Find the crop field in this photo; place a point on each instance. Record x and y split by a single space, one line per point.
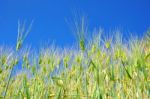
107 67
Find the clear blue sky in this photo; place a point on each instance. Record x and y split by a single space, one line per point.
50 18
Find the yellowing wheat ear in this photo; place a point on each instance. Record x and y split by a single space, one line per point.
22 33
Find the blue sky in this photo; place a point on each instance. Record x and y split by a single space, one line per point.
50 18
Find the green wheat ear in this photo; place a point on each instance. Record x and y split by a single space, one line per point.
18 46
80 30
107 44
22 33
82 45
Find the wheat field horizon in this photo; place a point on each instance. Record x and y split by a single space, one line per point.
99 67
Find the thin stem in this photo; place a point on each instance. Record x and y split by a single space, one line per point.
8 82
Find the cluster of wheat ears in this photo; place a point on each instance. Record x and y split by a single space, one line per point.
98 69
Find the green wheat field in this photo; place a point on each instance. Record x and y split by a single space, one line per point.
99 67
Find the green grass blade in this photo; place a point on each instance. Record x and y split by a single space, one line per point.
126 70
26 87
